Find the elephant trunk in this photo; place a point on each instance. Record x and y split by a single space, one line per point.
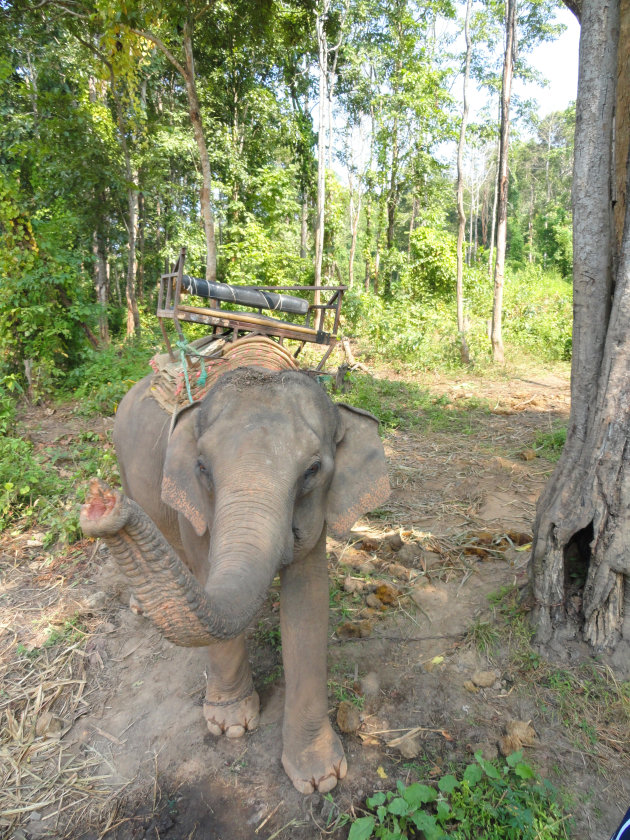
167 592
251 539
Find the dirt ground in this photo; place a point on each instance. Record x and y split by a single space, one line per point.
121 723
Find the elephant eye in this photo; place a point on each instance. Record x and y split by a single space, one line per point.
312 470
202 469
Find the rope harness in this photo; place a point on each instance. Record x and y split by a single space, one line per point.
187 380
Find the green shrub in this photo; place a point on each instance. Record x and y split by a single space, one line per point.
23 480
105 376
491 799
433 265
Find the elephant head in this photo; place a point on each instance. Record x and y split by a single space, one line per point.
257 470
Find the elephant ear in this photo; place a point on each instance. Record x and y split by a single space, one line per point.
360 482
180 486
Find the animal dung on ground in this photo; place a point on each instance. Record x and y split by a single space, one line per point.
409 746
370 544
484 679
397 570
518 734
522 730
374 601
348 718
353 585
354 629
395 541
387 594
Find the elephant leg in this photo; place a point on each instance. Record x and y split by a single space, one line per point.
312 752
231 704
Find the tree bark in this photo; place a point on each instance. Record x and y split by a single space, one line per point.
583 515
502 204
304 225
322 45
493 223
100 284
133 315
140 259
461 230
355 212
206 188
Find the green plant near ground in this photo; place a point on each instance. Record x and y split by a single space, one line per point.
68 634
484 635
492 799
23 479
104 377
398 404
589 701
41 488
269 634
549 445
343 690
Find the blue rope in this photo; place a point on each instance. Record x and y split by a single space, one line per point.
186 349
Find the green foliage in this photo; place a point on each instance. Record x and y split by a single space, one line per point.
492 799
421 333
105 376
23 480
537 315
549 445
563 252
402 404
259 256
38 488
433 265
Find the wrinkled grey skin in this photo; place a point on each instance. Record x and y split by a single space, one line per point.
244 489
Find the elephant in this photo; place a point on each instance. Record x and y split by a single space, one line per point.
241 487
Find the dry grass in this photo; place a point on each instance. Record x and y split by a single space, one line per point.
45 785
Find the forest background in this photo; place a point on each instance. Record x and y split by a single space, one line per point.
102 167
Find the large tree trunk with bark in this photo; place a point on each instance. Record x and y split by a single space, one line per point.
502 207
461 329
583 518
101 282
322 45
133 315
194 110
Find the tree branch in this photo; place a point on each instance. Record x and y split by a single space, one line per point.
163 48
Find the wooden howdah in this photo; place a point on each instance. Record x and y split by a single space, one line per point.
315 323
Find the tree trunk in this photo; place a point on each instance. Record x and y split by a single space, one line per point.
133 316
141 226
494 222
502 206
368 242
304 225
355 212
583 516
461 329
206 189
322 45
484 214
392 195
100 284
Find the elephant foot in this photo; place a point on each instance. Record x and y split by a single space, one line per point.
315 763
231 718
